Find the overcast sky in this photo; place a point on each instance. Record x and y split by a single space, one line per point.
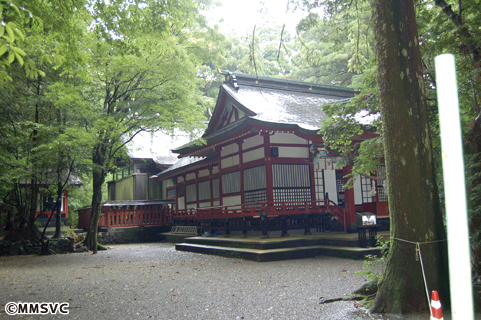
240 16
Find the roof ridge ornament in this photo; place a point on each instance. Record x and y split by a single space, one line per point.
229 78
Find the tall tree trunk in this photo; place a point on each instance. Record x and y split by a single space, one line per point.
58 208
413 197
99 174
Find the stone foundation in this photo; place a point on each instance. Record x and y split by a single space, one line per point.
131 235
64 245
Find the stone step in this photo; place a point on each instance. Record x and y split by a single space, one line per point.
273 243
280 253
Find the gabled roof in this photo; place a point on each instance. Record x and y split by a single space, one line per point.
271 102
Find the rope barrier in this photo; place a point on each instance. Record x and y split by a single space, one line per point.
419 254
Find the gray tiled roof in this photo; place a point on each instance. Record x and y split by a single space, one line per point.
271 102
283 106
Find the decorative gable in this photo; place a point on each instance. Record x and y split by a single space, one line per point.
228 113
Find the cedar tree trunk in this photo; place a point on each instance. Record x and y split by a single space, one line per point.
99 174
413 198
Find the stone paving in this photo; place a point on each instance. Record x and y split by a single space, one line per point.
153 281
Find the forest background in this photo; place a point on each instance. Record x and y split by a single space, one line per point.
80 79
63 62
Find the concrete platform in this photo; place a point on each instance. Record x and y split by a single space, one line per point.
279 248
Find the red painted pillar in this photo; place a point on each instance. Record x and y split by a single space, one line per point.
313 181
241 171
350 205
65 203
267 154
219 168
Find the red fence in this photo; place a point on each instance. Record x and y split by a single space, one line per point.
128 216
258 208
133 216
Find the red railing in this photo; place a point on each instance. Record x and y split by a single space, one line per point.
133 216
128 216
259 208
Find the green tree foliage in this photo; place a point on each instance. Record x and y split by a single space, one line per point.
110 70
443 26
334 49
144 61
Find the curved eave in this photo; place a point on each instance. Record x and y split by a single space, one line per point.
172 173
230 135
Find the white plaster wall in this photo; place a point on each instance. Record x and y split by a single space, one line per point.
229 149
229 162
294 152
180 179
204 204
181 203
357 191
204 173
253 155
216 203
330 184
190 176
252 142
232 200
281 137
191 206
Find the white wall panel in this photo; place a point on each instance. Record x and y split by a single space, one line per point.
253 155
190 176
228 201
281 137
204 173
330 184
204 204
252 142
357 191
229 149
181 203
294 152
230 161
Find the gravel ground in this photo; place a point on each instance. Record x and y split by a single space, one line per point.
153 281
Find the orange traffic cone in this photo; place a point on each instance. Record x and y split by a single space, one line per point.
436 311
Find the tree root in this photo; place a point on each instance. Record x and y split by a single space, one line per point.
346 298
101 247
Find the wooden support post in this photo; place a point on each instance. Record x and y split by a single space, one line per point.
284 226
227 228
212 227
264 223
307 225
199 228
244 228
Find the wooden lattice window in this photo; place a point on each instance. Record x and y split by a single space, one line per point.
170 193
367 189
204 190
231 182
320 186
255 184
191 193
215 188
291 182
381 189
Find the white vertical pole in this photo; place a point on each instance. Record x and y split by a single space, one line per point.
454 189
